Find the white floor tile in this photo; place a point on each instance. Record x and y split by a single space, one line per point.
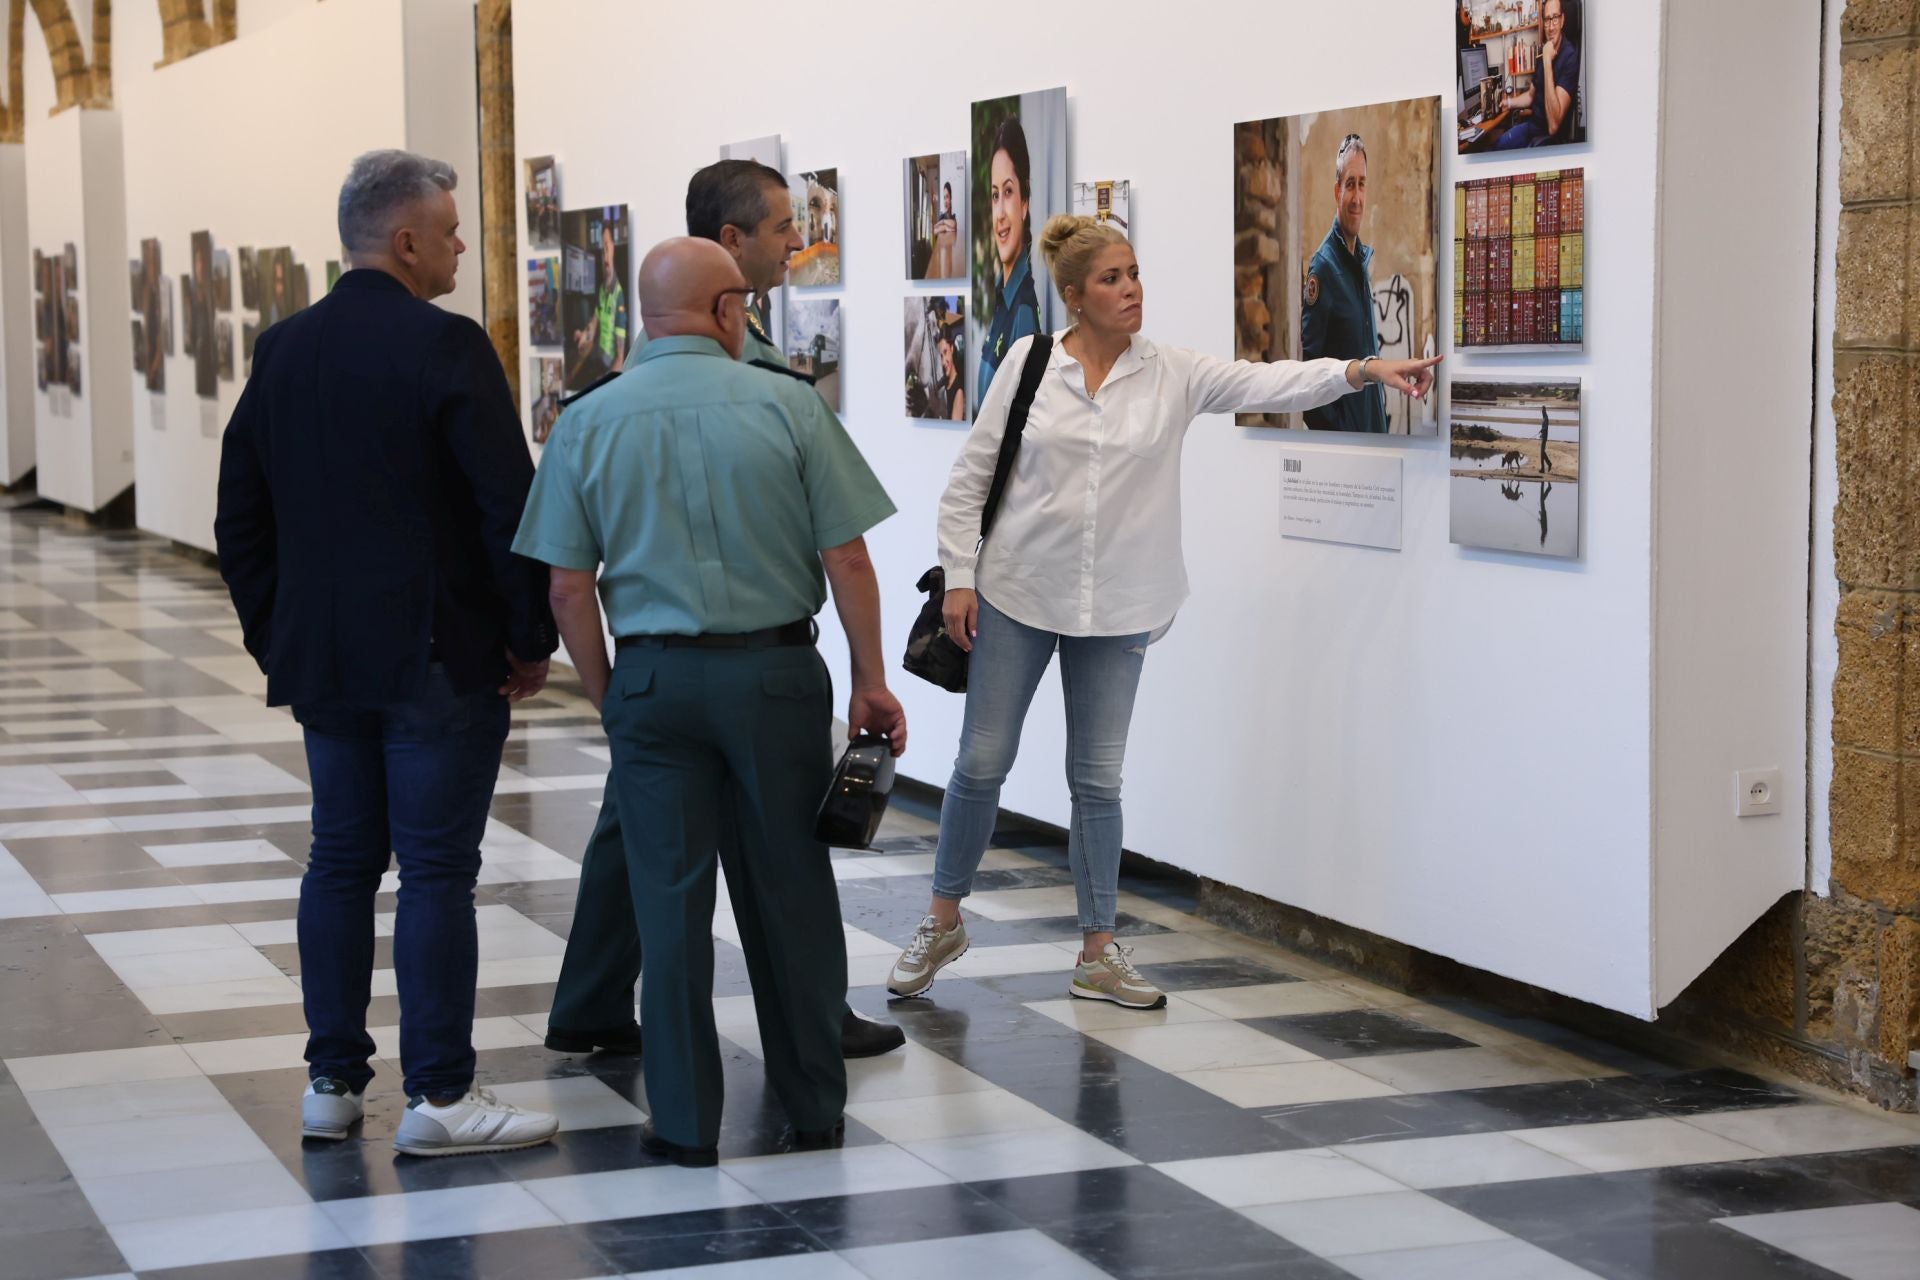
862 943
1000 1253
1287 1084
1018 1155
908 1072
128 1101
1025 904
1103 1015
166 1142
1274 1000
1441 1070
1019 957
849 1171
1371 1224
1278 1177
1806 1130
139 795
233 775
580 1102
250 1054
34 786
987 1111
228 891
430 1215
101 1066
47 728
171 1193
1860 1242
1636 1144
231 993
1464 1160
172 895
1494 1260
153 942
215 853
225 963
1202 1046
226 1237
620 1193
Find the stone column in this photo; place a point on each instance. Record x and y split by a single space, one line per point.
499 185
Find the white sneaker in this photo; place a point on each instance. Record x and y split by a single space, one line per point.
478 1122
328 1109
932 950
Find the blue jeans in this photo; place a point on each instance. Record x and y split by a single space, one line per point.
1522 135
1099 675
414 778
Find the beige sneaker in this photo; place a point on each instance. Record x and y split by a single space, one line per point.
930 951
1113 977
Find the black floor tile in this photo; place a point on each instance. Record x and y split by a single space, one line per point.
892 1217
1055 1198
1199 975
58 1255
1700 1251
1693 1093
656 1244
553 1253
1215 1242
1884 1173
1356 1033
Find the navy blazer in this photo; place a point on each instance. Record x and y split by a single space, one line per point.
371 481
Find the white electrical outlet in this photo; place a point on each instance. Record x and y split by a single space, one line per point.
1756 792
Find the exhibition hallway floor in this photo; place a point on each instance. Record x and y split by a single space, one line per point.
1277 1119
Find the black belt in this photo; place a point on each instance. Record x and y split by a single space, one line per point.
803 632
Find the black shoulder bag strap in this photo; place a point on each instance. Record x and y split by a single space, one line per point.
1039 355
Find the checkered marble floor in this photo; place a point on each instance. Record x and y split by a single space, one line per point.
1277 1119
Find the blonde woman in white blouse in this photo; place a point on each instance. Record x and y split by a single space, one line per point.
1085 558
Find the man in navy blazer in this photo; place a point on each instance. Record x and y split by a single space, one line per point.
371 481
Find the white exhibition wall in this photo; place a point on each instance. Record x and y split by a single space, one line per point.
16 317
1456 749
269 176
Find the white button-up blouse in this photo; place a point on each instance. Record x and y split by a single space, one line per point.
1087 539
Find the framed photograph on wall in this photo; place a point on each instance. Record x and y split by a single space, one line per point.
816 216
812 344
543 302
1520 262
936 364
1337 251
543 203
594 319
1019 180
1514 466
936 201
1520 66
1108 203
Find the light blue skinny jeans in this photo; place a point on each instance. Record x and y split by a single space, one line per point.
1099 675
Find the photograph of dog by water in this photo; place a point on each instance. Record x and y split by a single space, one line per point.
1514 470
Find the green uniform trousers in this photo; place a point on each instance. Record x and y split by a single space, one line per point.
717 760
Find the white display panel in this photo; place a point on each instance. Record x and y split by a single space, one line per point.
1356 765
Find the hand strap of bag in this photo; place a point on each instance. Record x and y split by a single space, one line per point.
1038 357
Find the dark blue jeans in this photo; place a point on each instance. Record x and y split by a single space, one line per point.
414 778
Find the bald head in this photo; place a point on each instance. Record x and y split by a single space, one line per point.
684 284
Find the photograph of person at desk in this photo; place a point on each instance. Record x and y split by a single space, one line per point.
1520 70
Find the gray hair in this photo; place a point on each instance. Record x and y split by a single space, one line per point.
378 190
1348 145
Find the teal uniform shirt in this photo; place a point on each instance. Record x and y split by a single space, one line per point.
706 487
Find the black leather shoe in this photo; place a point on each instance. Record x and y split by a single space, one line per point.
814 1139
860 1038
686 1157
612 1039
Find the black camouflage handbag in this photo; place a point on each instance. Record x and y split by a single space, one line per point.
931 652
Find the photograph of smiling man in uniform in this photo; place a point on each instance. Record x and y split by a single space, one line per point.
1337 249
1019 172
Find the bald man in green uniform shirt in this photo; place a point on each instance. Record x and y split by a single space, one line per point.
722 501
744 207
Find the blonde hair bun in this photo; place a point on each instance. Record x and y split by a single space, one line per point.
1069 242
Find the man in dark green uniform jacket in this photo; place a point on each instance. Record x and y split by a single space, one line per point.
722 500
745 207
1336 299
